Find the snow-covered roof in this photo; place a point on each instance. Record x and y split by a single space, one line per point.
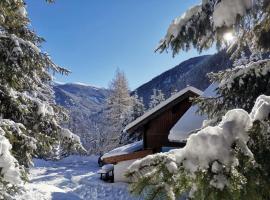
129 148
190 121
161 105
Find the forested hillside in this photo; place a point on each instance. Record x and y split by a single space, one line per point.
85 105
190 72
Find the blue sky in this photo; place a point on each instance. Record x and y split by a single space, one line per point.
94 37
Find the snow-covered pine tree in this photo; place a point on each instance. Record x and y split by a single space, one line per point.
174 92
138 107
119 105
29 124
137 110
228 160
156 98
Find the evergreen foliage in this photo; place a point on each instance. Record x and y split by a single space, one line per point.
138 107
174 92
156 98
204 25
137 110
29 124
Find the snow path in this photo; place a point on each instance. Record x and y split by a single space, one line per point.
73 178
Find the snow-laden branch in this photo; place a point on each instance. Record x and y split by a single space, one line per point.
178 24
200 26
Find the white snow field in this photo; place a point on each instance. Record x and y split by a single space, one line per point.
73 178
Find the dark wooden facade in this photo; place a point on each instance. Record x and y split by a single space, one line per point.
156 131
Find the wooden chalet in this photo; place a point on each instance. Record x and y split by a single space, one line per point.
155 126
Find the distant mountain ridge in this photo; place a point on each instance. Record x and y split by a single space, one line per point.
88 97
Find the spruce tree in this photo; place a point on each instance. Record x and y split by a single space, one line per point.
229 159
138 107
137 110
174 92
29 124
156 98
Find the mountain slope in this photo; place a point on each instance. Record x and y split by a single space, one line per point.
190 72
82 96
85 105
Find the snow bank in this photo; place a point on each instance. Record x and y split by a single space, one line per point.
191 121
130 148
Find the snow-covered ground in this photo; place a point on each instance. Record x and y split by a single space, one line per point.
73 178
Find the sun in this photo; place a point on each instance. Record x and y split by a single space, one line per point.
229 37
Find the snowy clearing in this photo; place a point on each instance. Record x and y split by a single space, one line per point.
73 178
